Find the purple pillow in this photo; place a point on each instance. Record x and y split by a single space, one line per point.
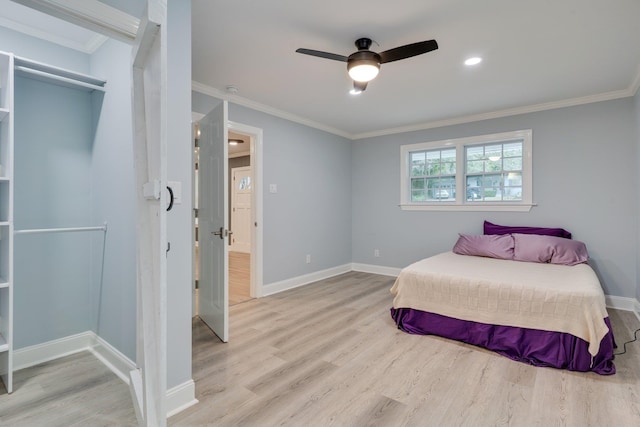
551 249
488 246
490 228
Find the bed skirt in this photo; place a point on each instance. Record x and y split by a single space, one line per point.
531 346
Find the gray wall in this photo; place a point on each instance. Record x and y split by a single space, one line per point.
113 201
311 212
584 167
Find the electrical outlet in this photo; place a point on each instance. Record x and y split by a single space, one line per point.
376 253
308 259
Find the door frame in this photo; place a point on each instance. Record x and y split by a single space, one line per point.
256 155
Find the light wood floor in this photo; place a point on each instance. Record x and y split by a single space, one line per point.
76 390
239 277
328 354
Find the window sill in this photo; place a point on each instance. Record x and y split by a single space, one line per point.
470 207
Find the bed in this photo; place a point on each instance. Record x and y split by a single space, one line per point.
540 313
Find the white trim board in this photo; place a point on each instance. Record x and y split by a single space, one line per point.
208 90
179 397
619 303
305 279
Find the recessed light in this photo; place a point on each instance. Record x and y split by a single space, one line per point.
473 61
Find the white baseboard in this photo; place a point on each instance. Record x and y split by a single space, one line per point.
178 398
41 353
376 269
294 282
620 303
637 309
112 358
181 397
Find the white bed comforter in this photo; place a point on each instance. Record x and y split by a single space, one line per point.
549 297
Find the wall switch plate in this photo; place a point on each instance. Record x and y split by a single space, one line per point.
273 188
308 259
376 253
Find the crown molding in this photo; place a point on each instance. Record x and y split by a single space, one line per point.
89 47
208 90
630 91
91 14
500 113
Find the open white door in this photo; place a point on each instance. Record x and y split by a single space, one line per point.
213 222
149 380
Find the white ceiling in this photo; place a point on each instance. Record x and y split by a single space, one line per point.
537 54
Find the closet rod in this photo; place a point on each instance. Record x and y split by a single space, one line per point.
65 81
61 230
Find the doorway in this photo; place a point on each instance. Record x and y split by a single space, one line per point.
244 265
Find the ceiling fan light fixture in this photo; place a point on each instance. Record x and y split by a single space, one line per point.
363 70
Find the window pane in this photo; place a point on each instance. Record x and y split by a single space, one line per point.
449 155
513 164
417 196
417 164
512 193
475 153
417 184
494 165
475 166
493 152
513 149
513 179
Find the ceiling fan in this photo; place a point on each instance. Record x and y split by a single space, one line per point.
364 65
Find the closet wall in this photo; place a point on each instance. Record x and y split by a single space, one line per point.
52 188
74 167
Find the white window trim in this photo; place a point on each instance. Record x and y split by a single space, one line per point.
461 204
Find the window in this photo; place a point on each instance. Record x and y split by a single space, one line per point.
492 172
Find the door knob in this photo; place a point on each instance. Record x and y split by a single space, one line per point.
219 233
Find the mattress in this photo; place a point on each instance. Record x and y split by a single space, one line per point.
546 297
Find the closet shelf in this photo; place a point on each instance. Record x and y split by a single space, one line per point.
3 113
59 80
24 63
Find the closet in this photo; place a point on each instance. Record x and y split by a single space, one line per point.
60 182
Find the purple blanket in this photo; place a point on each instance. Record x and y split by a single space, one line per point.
532 346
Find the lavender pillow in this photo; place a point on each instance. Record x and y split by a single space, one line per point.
551 249
490 228
496 246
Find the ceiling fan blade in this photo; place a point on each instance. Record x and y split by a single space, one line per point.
359 86
321 54
407 51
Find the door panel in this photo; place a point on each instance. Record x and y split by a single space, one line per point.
213 222
241 209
